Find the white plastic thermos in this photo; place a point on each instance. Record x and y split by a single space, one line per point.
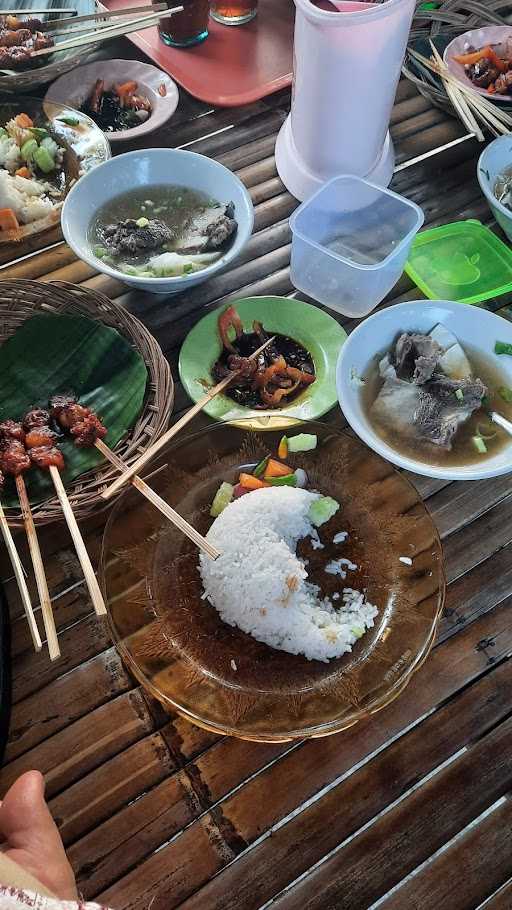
347 65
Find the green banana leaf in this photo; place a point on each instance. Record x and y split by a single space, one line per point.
57 354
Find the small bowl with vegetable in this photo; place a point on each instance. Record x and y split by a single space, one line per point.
125 98
184 218
494 171
425 384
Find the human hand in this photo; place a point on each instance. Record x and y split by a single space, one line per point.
31 838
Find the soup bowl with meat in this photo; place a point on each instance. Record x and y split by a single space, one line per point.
422 382
161 220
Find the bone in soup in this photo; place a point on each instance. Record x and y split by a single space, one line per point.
430 400
162 231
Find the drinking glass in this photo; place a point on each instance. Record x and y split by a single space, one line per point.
233 12
188 27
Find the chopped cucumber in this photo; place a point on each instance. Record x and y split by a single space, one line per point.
289 480
100 252
223 497
27 150
50 145
357 631
322 509
479 445
142 222
44 160
304 442
502 347
506 393
459 394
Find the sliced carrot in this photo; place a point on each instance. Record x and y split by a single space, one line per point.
282 451
24 121
252 483
126 88
276 469
23 172
8 220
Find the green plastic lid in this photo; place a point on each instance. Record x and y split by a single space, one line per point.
463 261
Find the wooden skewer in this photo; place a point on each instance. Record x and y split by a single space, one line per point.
105 34
83 556
160 443
37 562
60 24
160 504
20 578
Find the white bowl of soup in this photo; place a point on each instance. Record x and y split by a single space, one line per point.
161 220
418 381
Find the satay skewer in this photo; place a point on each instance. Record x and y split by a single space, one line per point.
146 456
39 573
20 579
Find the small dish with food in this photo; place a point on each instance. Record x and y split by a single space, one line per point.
125 98
322 604
494 171
44 149
183 219
419 382
482 59
293 378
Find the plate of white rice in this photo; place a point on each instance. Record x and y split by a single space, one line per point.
299 627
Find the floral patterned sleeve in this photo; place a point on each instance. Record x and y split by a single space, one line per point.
17 899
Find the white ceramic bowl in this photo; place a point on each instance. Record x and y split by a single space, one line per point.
494 160
474 327
75 87
477 38
143 169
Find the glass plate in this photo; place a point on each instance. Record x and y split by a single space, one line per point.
221 678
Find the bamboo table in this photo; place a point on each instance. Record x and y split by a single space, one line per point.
409 809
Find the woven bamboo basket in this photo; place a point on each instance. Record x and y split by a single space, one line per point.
21 299
451 18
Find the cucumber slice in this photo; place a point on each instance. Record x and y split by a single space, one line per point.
27 150
223 497
322 509
289 480
44 160
304 442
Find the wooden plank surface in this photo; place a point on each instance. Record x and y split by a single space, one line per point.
409 809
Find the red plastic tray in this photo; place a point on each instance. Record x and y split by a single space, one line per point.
236 64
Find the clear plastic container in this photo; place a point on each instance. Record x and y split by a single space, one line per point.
351 241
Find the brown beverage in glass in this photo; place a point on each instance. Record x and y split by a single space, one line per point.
188 27
233 12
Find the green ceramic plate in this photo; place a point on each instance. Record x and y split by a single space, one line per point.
310 326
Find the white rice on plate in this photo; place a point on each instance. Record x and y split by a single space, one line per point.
259 584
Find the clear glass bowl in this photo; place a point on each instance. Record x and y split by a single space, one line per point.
176 644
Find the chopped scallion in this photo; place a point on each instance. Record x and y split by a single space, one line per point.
261 466
479 445
502 347
506 393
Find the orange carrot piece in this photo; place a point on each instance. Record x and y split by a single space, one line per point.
24 121
8 220
126 88
23 172
276 469
250 482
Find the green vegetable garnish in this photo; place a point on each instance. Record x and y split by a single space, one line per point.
142 222
99 252
188 267
222 499
261 467
479 444
502 347
38 132
44 160
289 480
357 631
505 393
304 442
322 509
27 150
69 121
3 132
459 394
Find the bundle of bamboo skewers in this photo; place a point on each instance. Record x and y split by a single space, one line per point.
476 112
62 411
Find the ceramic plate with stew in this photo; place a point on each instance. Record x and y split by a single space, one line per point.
418 382
498 37
234 682
307 338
